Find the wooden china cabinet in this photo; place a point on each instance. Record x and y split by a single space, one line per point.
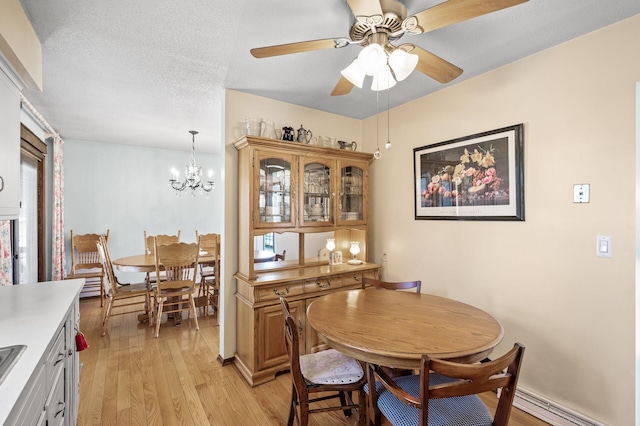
289 187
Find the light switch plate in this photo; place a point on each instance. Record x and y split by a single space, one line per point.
603 246
581 193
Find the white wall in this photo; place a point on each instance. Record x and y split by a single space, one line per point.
126 189
540 278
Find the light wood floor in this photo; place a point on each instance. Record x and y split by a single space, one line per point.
130 378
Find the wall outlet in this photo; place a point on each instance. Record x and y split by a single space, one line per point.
384 257
581 193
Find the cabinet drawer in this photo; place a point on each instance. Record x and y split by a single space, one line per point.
56 357
273 292
55 406
355 279
322 284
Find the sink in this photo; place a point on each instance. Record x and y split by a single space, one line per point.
8 357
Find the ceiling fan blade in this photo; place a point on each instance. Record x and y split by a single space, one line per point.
365 7
453 11
303 46
343 87
433 65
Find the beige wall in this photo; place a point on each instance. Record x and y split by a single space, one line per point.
19 44
541 278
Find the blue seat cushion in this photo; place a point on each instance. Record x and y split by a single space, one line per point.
466 410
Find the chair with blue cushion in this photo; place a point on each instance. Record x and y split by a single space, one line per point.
445 392
327 371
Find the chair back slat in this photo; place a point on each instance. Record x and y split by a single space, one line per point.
389 285
103 252
209 243
84 253
161 239
178 260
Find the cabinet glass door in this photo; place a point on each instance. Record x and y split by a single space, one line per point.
274 195
317 194
352 205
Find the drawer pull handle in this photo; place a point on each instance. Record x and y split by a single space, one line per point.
281 293
1 183
61 407
356 277
324 285
61 356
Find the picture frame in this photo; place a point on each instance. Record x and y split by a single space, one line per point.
336 258
477 177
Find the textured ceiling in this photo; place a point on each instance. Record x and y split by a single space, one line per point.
145 72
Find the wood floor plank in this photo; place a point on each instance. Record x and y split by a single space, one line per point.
130 377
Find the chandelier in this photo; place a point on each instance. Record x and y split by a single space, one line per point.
193 174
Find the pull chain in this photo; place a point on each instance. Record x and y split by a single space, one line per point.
377 154
388 144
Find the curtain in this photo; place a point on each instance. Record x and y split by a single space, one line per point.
58 257
6 265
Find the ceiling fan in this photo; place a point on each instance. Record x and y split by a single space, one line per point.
380 22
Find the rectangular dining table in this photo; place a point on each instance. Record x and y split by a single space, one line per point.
395 328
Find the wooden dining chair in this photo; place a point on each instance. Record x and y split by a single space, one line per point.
178 262
281 256
324 371
209 275
445 393
392 285
149 249
389 285
121 295
85 263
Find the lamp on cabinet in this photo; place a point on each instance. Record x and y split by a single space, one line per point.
354 250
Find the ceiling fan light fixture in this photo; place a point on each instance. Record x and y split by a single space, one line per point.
354 74
372 59
383 80
402 63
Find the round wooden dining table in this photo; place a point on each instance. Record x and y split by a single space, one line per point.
395 328
260 256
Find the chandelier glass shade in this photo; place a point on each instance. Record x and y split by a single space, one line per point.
193 175
385 67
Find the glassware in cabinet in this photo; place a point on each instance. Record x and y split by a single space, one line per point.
317 193
275 191
352 204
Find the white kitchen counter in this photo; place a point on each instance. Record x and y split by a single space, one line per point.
30 314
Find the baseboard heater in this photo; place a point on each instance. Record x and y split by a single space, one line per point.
550 412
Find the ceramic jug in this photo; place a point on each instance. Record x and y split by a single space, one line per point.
268 130
346 145
287 134
304 135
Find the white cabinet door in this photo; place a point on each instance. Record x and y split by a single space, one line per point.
9 149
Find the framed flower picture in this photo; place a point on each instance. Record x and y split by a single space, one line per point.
477 177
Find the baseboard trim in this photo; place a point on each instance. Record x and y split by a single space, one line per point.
549 411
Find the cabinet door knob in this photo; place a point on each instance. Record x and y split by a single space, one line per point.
60 358
61 407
